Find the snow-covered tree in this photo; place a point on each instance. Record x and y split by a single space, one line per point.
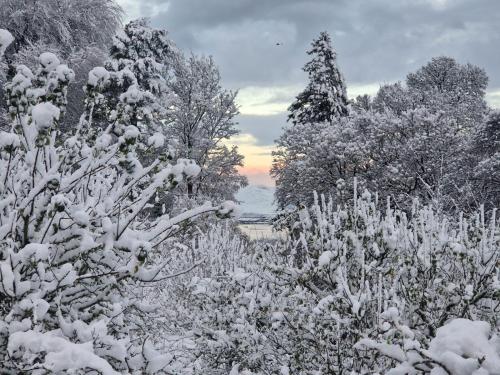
74 233
322 103
79 32
65 25
201 119
444 85
135 75
485 148
411 141
325 97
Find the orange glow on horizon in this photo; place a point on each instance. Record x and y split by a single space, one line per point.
257 175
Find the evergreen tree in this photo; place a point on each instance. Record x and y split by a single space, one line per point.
325 97
322 103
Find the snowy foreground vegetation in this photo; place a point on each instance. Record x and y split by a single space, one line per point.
113 261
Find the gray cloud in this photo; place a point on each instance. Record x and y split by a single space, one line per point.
266 129
377 41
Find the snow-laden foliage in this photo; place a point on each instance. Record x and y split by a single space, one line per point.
325 97
321 104
362 272
186 105
67 25
135 77
6 39
193 303
78 32
357 289
485 149
460 347
201 118
74 231
431 138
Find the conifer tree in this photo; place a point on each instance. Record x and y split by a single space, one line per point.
322 103
325 97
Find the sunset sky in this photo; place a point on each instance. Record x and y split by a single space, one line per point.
377 42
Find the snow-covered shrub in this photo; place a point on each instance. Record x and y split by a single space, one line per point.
199 310
460 347
354 275
74 234
364 272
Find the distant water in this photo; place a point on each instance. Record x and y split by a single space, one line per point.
260 231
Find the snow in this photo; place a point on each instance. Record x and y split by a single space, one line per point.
7 278
157 140
191 169
461 344
49 61
61 354
9 139
6 39
98 77
40 308
39 251
228 208
131 132
64 74
103 141
44 114
133 95
325 258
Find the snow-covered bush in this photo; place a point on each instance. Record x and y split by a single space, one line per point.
74 232
199 310
361 268
460 347
352 276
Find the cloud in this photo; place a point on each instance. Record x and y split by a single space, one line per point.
377 42
380 40
493 99
266 101
248 146
355 89
264 129
136 9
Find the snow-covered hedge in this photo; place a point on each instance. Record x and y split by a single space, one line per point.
74 233
360 289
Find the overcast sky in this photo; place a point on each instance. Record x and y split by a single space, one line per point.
377 41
